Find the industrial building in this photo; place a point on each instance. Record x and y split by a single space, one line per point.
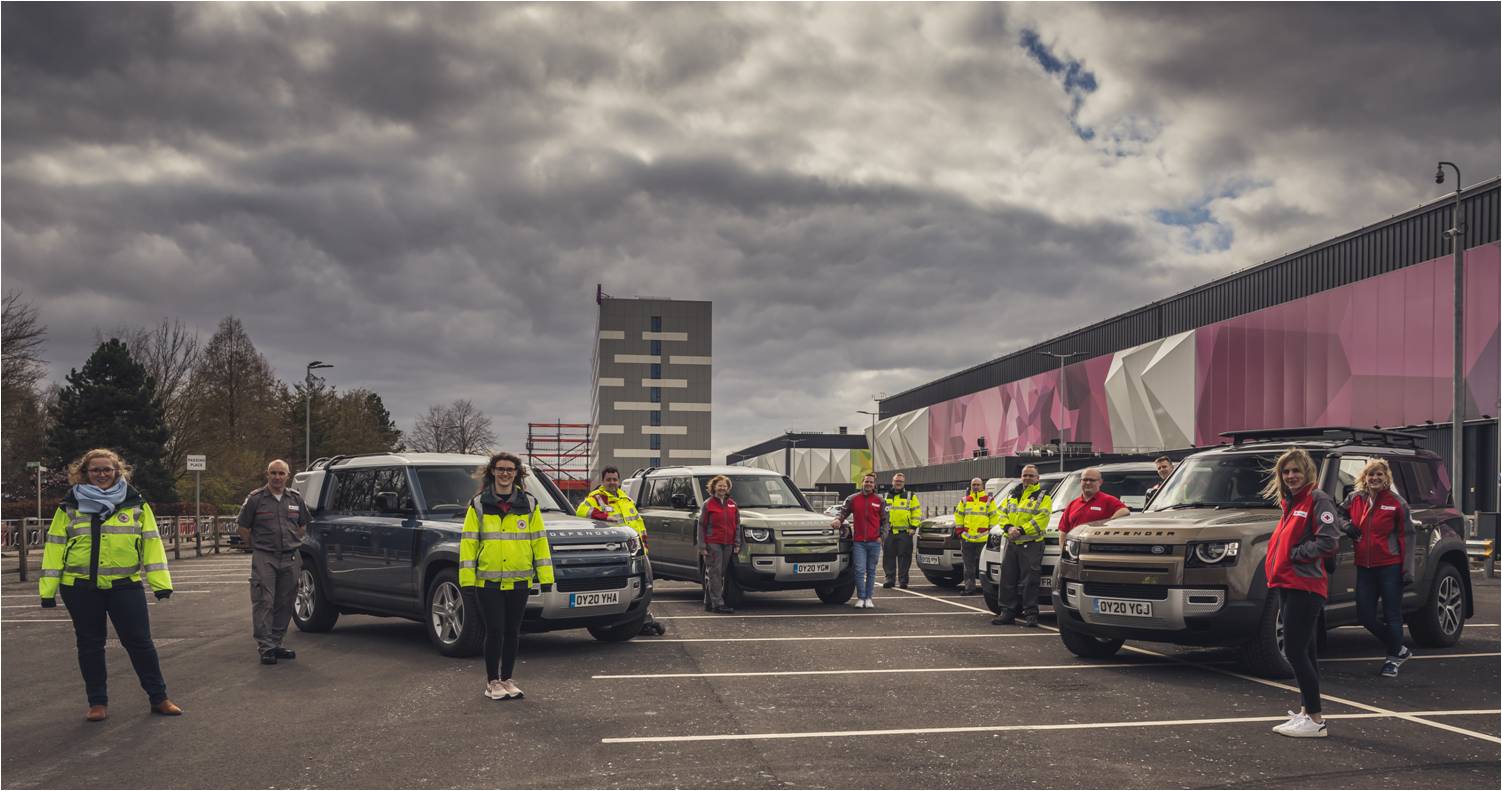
1353 331
816 462
650 388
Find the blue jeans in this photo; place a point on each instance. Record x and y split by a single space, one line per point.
864 555
1386 583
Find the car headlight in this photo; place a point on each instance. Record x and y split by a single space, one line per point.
633 545
1071 549
1212 553
759 534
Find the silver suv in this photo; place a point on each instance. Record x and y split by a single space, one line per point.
785 544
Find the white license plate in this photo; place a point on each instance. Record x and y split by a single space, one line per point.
594 599
812 568
930 560
1134 609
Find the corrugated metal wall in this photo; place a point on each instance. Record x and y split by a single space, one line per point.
1410 238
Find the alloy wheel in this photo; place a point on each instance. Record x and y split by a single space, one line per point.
447 613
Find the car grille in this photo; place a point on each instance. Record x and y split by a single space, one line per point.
1125 591
592 584
813 557
1129 549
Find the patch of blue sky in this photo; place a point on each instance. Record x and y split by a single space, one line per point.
1203 233
1078 82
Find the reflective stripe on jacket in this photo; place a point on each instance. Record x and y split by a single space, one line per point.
601 505
504 547
1028 514
128 544
974 516
1306 533
903 511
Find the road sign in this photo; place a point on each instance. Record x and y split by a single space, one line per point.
197 462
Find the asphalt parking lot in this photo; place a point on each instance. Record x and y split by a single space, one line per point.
921 693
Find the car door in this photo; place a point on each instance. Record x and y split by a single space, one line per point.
1340 482
1428 496
388 568
348 538
680 509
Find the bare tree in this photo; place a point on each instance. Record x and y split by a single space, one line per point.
456 427
21 337
169 352
23 410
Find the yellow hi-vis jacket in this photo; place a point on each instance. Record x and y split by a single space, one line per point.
619 505
503 549
904 511
974 516
1029 512
128 544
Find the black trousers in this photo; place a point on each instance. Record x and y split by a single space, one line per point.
1301 611
1021 571
970 554
897 556
502 611
124 605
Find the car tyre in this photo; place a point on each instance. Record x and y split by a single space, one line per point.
621 632
836 592
1440 622
451 629
1263 654
311 609
942 580
992 595
1088 646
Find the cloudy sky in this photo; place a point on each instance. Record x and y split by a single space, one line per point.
872 195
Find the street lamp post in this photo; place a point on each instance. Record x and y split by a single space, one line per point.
1062 390
307 430
1457 431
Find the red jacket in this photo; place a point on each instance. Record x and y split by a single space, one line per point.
870 516
1306 534
1380 529
1083 512
719 523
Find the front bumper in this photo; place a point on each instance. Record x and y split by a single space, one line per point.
1181 615
557 609
781 572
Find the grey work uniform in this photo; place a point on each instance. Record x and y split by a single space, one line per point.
277 527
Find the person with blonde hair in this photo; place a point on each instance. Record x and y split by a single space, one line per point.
1306 534
718 537
101 540
1380 527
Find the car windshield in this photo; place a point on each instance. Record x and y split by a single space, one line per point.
451 488
759 491
1217 481
1129 486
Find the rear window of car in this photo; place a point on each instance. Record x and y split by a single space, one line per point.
1426 481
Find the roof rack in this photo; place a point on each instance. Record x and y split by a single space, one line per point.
1359 436
326 462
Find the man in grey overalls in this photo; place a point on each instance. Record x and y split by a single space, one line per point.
272 523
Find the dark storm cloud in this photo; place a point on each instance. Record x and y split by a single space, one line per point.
873 196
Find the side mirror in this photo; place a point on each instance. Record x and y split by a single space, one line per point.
680 500
387 503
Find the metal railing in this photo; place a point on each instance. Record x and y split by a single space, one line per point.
207 535
1485 553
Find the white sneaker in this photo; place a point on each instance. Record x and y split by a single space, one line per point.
1306 728
512 690
860 604
871 604
1293 717
495 690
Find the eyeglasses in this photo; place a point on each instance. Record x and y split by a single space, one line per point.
504 470
100 470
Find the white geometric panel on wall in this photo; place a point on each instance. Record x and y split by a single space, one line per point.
901 440
839 466
1150 395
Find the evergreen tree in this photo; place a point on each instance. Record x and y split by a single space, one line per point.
110 404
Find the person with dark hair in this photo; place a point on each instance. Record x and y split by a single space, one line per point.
1164 466
1381 528
870 522
503 550
718 537
100 540
611 504
1306 534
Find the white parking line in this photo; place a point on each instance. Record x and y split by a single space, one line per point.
992 635
1269 683
1468 625
1074 726
807 615
1080 666
35 606
36 620
1323 660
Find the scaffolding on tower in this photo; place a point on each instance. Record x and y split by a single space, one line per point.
561 450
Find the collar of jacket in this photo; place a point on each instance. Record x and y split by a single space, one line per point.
620 494
133 499
979 498
518 499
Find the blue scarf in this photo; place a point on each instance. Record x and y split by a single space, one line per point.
94 500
